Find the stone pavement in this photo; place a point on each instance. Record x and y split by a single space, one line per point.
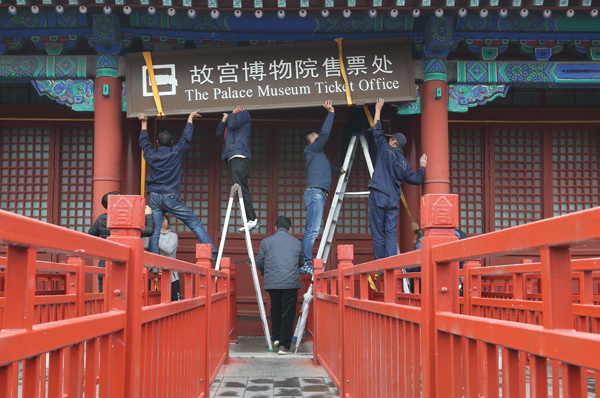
254 372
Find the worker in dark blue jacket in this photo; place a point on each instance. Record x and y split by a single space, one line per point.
318 184
235 128
391 170
163 182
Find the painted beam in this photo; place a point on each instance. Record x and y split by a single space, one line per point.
21 69
529 74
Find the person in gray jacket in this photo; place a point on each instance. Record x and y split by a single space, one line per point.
167 245
279 257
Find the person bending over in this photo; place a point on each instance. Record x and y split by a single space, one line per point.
100 229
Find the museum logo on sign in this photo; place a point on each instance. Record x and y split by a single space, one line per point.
166 81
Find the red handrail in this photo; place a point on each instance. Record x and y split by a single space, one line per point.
487 342
129 349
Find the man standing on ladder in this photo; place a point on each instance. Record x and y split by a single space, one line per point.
391 169
163 183
235 128
318 184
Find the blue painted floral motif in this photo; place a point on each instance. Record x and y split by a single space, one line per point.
77 94
200 23
462 97
341 24
22 20
19 69
534 23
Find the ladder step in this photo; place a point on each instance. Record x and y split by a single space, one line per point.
364 194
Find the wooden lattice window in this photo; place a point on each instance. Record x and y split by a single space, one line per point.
24 176
575 176
291 181
466 177
195 177
354 216
517 176
76 174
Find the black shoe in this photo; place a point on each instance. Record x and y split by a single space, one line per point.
214 256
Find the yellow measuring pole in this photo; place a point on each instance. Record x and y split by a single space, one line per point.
343 70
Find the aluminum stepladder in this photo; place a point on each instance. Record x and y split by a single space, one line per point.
237 190
332 218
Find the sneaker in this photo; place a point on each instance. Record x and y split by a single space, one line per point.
214 256
306 269
276 343
284 351
252 224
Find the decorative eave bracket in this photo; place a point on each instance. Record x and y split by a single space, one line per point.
76 94
461 97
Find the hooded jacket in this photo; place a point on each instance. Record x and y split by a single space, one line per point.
236 132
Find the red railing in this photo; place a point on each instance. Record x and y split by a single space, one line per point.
233 330
479 345
129 350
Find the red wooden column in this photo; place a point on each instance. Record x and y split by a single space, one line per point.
434 103
124 287
107 130
434 134
439 217
345 290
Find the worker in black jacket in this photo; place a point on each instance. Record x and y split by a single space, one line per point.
100 229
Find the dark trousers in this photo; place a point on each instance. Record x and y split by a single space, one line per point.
239 170
283 315
101 264
383 220
175 291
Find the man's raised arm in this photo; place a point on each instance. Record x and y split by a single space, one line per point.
321 140
222 126
238 117
186 138
145 143
377 129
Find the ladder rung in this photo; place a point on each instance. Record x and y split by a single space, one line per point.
364 194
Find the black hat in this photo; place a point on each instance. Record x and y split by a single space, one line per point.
399 137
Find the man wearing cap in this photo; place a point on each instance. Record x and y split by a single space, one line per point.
391 170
